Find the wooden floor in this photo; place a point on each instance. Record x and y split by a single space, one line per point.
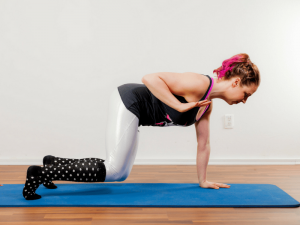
285 177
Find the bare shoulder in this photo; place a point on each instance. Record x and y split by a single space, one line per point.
199 84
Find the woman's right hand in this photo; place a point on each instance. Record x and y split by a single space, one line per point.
183 107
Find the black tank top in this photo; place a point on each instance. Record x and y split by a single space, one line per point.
138 99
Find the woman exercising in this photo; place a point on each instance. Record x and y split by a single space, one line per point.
165 99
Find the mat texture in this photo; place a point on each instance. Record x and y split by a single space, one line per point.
118 194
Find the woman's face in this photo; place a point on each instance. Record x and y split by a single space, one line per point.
237 94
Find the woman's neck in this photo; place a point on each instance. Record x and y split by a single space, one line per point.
218 89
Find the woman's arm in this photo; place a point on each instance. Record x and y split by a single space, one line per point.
163 84
203 151
161 90
203 147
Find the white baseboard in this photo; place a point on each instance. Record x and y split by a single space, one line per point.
175 162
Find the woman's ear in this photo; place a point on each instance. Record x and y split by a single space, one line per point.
236 81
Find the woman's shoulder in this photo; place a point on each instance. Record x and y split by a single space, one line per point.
199 83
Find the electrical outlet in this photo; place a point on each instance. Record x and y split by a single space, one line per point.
229 121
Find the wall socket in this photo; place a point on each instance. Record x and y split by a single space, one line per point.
229 121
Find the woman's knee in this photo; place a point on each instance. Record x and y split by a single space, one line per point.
122 178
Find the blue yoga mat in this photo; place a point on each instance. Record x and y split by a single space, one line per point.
148 195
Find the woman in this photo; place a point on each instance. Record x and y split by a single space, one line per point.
165 99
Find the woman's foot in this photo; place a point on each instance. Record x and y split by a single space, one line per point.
85 171
33 181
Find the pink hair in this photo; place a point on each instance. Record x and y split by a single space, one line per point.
230 63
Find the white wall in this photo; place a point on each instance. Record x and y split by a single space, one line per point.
60 60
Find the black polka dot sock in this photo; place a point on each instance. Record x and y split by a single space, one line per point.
52 160
83 171
33 181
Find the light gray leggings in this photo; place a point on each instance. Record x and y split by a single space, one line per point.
121 141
